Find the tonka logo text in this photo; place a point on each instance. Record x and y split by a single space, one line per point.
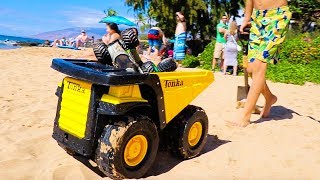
172 83
75 87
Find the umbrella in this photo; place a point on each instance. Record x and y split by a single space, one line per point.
118 20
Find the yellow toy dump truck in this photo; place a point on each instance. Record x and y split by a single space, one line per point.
114 116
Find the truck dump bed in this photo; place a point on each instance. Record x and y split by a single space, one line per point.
97 73
174 90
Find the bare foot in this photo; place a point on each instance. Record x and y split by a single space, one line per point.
240 122
267 107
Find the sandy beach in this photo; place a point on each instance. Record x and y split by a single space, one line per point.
284 146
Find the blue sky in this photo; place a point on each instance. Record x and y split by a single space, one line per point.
29 17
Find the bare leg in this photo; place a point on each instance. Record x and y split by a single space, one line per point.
221 64
214 62
224 69
56 42
258 85
156 51
78 43
149 51
270 100
235 69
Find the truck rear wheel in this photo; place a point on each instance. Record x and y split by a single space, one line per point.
127 149
188 132
148 67
167 65
130 38
102 54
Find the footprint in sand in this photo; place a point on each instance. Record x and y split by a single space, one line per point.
73 172
288 163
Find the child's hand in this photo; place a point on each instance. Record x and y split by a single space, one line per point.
243 25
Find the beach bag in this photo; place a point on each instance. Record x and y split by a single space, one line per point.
239 48
153 34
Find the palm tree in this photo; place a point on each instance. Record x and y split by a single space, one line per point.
137 5
150 16
141 21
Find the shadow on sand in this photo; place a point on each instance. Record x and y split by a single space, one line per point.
92 166
164 162
279 113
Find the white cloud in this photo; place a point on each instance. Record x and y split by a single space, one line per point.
15 30
86 17
83 17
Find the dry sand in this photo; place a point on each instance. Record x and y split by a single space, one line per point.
285 146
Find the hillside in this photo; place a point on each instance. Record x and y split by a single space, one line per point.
70 33
74 32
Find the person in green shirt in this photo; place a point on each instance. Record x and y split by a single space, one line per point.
222 27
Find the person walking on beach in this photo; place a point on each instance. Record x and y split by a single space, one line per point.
231 51
179 51
222 27
270 20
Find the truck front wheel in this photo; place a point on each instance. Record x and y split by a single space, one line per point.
128 148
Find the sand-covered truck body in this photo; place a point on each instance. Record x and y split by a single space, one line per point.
117 116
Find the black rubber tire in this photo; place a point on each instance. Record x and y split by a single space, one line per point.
167 65
102 54
147 67
113 140
130 38
178 130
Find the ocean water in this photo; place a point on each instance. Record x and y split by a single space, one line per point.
4 45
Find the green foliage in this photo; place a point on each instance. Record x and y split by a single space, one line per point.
110 12
295 51
240 61
294 73
143 37
206 56
300 61
141 19
286 73
316 42
313 72
304 9
201 15
299 51
191 61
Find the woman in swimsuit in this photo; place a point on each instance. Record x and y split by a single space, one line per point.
113 33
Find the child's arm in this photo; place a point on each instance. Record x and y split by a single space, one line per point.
247 15
164 39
